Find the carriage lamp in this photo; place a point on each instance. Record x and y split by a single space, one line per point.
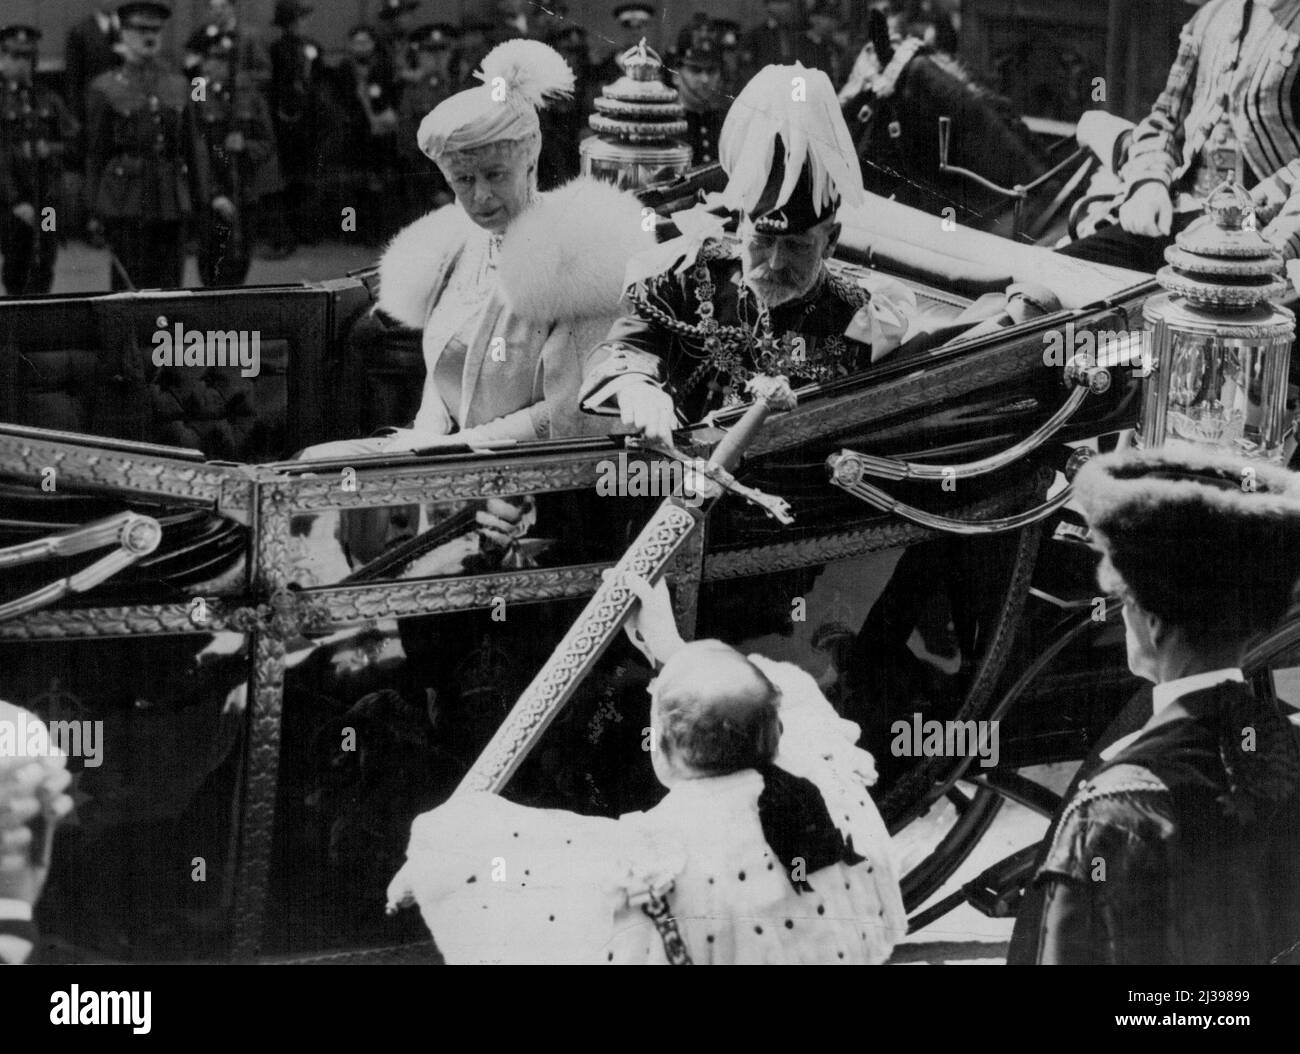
637 123
1217 351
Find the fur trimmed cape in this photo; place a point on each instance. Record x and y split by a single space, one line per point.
559 286
562 259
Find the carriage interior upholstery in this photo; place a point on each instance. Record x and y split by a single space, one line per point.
88 365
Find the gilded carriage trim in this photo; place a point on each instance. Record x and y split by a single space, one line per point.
258 817
135 620
808 552
429 483
227 489
336 607
656 545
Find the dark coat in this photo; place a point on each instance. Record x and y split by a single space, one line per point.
1182 848
297 80
145 158
87 53
812 330
245 110
29 116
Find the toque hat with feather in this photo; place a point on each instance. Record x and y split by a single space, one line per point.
787 152
519 77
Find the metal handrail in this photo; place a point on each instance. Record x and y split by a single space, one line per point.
136 536
951 524
849 466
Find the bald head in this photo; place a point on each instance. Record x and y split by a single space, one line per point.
714 710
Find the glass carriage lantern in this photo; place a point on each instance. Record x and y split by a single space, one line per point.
1216 350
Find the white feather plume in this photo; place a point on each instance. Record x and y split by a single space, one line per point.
812 131
529 69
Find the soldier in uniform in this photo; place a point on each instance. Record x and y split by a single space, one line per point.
393 33
706 318
146 167
364 98
564 122
91 49
699 84
423 184
296 74
728 35
34 126
224 29
635 21
236 125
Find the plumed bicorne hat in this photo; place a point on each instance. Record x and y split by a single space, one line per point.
1195 535
787 152
519 77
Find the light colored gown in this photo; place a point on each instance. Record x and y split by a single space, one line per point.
500 883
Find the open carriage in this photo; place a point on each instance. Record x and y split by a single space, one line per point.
267 733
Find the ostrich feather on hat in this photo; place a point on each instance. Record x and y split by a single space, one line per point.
519 77
799 107
528 70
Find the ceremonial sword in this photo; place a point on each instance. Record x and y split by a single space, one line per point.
647 557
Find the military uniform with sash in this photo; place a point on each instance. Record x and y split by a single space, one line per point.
699 331
704 333
35 125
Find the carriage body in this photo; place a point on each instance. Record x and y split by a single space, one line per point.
267 740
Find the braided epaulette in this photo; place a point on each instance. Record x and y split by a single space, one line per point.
848 291
1122 779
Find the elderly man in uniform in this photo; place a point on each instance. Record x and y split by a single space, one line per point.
34 126
705 318
146 167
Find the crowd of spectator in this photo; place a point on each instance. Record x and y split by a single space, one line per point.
336 136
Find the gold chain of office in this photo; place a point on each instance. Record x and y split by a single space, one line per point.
732 349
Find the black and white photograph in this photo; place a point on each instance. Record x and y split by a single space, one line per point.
575 482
